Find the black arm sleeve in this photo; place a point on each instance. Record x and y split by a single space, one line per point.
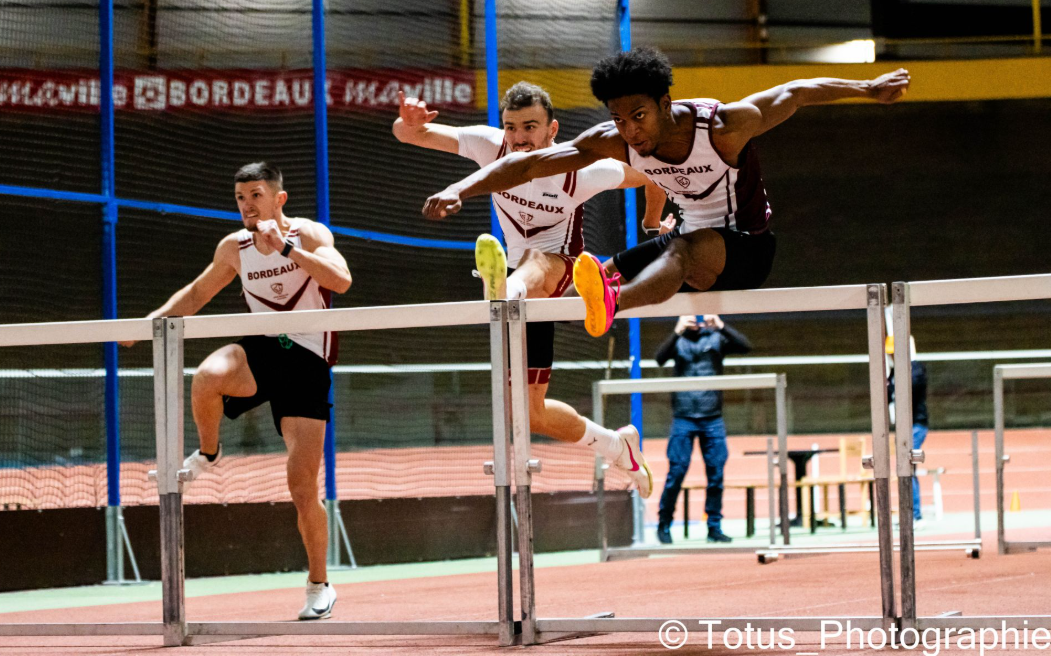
666 351
735 341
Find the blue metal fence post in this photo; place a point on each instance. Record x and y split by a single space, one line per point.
492 93
631 217
114 551
336 529
323 212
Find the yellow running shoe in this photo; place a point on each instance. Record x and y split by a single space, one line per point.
491 266
600 298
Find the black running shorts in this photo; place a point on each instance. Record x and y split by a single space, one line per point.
749 258
294 380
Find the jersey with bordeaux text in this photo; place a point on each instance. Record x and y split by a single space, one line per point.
274 283
709 192
545 214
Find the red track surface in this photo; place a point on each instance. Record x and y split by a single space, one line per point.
688 586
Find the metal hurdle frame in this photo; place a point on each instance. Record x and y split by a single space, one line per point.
168 335
777 382
1003 372
870 298
929 293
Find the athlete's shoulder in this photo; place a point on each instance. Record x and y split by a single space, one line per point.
603 130
736 117
603 139
698 102
484 132
229 247
312 233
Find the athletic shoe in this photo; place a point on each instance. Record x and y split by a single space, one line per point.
663 533
197 464
321 597
491 261
716 535
600 298
633 462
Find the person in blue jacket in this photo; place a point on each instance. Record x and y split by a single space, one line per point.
697 346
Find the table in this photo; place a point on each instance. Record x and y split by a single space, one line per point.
800 458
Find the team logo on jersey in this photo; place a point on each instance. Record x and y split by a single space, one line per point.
550 195
526 218
683 181
277 287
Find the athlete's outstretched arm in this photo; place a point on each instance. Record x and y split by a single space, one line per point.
597 143
190 299
777 104
414 126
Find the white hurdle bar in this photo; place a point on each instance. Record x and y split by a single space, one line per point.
929 293
1003 372
870 298
777 382
168 335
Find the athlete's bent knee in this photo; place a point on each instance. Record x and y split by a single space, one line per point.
206 380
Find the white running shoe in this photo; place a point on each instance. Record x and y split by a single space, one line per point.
321 597
197 464
633 462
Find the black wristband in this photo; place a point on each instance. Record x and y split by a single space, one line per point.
287 249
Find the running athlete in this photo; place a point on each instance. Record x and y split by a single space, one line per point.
284 264
542 220
701 152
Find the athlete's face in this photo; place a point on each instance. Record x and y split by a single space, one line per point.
528 129
258 201
641 121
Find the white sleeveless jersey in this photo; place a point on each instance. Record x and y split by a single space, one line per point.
274 283
545 214
709 192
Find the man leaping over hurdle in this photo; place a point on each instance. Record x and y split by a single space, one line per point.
701 152
542 222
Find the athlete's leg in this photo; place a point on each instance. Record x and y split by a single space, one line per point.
223 373
540 275
554 418
696 258
305 439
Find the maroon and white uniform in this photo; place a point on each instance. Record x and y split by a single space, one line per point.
709 192
545 214
274 283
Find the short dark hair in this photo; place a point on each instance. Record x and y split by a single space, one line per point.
261 171
639 71
524 94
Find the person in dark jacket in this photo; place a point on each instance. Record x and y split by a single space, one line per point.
919 416
697 347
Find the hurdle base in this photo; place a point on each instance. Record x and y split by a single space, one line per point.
628 553
562 636
971 549
1024 547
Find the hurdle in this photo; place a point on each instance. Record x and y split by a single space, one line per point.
971 548
777 382
1003 372
907 295
168 336
868 298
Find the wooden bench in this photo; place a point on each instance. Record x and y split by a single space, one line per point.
810 485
